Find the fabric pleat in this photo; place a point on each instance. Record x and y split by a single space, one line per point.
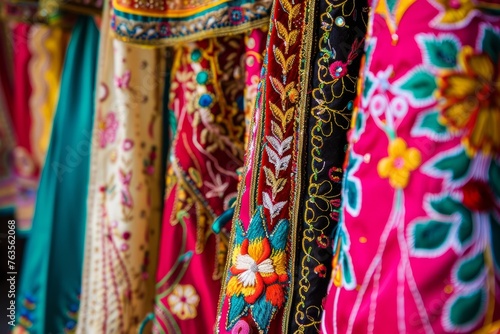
49 291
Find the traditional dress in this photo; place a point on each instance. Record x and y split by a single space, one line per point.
210 87
418 247
125 194
288 204
49 290
213 83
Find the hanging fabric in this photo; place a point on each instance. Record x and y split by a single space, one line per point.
418 245
125 194
49 290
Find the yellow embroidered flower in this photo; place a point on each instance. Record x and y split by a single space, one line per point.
183 301
471 101
398 165
455 11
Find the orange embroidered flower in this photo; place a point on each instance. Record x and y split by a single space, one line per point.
258 274
472 101
320 270
400 162
254 270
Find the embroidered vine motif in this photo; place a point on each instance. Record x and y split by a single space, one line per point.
469 111
335 70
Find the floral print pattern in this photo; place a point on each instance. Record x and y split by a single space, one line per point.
430 88
183 301
107 129
124 194
398 165
471 101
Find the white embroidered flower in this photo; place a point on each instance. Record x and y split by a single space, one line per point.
183 301
247 263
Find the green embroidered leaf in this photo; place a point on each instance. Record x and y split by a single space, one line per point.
172 122
369 50
236 309
256 229
466 310
445 205
430 235
449 206
457 163
421 85
359 125
351 193
239 235
466 228
491 44
368 86
347 272
279 236
471 269
441 53
428 125
494 174
262 312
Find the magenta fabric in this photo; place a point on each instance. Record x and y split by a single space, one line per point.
417 250
26 169
213 87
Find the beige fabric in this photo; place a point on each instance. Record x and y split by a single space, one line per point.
124 204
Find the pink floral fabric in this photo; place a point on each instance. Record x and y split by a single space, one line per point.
417 250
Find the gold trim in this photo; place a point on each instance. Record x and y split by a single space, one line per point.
307 41
168 13
171 41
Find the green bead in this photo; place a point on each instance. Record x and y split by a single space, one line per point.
196 55
202 77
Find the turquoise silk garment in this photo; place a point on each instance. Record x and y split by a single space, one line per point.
48 299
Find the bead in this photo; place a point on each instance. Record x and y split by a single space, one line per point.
205 100
196 55
202 77
340 21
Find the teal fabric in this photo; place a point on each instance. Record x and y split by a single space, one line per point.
51 274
